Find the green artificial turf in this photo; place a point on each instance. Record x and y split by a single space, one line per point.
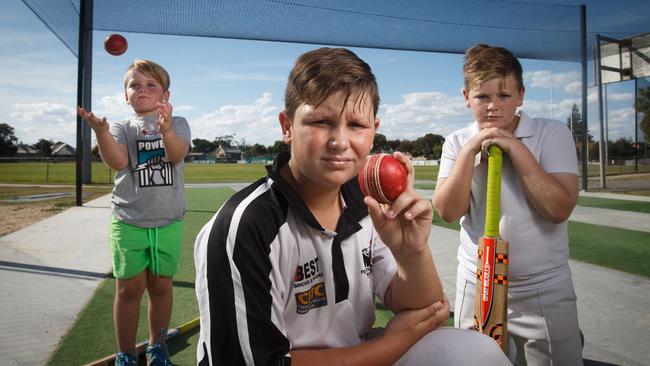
615 204
92 335
621 249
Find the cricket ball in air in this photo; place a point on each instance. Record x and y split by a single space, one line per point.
115 44
383 178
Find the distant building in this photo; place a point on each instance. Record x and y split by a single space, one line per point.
26 150
63 150
228 153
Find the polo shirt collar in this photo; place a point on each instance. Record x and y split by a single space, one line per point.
354 209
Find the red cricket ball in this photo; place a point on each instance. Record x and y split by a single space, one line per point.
115 44
383 178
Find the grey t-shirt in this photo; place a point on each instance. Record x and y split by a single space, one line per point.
149 190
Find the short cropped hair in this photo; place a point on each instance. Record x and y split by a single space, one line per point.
151 69
484 62
322 72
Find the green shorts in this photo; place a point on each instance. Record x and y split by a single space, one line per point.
135 248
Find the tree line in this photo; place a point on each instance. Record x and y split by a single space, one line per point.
428 146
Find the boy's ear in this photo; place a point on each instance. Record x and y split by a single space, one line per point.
377 123
285 125
466 96
166 96
522 91
126 97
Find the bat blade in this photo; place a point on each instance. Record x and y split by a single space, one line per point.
490 309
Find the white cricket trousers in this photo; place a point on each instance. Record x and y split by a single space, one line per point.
543 323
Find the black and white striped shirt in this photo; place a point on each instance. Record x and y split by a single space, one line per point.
270 278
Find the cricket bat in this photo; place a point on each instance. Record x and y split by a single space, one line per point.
490 309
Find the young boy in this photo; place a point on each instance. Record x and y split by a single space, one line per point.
288 268
539 190
146 228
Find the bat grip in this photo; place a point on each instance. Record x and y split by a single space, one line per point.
493 196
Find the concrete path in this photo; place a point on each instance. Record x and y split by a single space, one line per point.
50 270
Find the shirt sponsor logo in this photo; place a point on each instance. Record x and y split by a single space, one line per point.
306 273
315 297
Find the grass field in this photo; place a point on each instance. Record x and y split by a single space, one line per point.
64 173
614 204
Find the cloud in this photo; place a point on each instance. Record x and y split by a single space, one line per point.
548 79
52 121
421 113
250 123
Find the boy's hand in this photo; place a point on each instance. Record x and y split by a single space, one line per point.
475 144
505 143
165 121
415 324
98 125
405 224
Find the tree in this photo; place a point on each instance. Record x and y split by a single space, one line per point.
642 105
203 146
278 147
379 144
44 147
577 125
425 145
7 140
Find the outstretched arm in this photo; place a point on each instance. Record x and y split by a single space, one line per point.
176 148
114 154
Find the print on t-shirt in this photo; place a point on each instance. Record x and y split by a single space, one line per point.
153 168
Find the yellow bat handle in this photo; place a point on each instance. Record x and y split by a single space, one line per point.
493 199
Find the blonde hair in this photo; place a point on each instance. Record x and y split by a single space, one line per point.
484 62
151 69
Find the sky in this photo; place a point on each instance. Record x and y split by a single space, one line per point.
236 87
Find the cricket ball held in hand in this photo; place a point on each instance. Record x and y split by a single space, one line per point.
115 44
383 178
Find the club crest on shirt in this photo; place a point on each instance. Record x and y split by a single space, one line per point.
315 297
153 168
366 254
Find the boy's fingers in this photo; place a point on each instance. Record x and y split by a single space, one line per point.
375 211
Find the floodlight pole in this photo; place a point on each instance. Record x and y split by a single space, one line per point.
583 52
84 74
601 143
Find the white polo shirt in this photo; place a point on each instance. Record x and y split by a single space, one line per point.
538 249
269 278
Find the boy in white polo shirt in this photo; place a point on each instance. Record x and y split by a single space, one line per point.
539 190
288 269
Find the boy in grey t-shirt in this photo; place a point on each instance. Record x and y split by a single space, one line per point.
146 228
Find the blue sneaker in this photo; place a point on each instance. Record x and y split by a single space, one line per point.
157 355
125 359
